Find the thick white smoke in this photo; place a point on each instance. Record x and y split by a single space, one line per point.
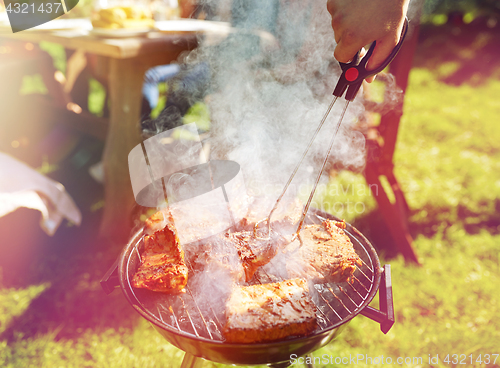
266 102
268 94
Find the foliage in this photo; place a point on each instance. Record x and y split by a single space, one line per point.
32 84
448 152
14 302
57 53
199 114
486 7
97 97
162 100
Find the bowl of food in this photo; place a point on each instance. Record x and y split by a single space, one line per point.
122 21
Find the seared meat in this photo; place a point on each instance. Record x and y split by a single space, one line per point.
327 253
216 255
269 312
162 261
157 221
284 219
239 253
254 252
192 224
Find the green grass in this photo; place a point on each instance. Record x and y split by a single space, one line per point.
447 160
97 97
449 172
450 305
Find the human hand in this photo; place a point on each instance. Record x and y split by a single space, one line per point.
357 23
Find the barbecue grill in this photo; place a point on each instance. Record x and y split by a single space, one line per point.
198 333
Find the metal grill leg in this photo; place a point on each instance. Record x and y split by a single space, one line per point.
190 361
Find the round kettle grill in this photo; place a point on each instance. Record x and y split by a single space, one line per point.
198 333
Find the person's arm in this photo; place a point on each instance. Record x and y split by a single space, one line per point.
357 23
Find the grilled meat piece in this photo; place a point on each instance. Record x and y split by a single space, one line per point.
157 221
192 224
284 219
269 312
254 252
162 261
216 255
327 254
239 253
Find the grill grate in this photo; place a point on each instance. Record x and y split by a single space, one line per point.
335 303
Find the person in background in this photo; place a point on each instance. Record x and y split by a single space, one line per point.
185 82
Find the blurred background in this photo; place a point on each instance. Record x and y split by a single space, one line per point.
53 311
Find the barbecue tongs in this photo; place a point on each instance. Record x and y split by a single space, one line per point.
353 74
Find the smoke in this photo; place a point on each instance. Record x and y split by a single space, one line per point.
270 85
416 6
269 90
266 102
415 10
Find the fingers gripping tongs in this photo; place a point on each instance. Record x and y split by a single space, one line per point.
353 74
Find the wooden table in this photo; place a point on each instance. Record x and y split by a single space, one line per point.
124 61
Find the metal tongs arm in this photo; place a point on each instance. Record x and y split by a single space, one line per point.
268 218
353 74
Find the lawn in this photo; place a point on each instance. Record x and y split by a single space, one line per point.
447 161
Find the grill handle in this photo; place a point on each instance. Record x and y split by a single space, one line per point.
110 280
384 316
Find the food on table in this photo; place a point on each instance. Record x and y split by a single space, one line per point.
269 312
131 17
162 262
326 254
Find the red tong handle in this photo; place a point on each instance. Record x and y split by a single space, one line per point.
354 72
